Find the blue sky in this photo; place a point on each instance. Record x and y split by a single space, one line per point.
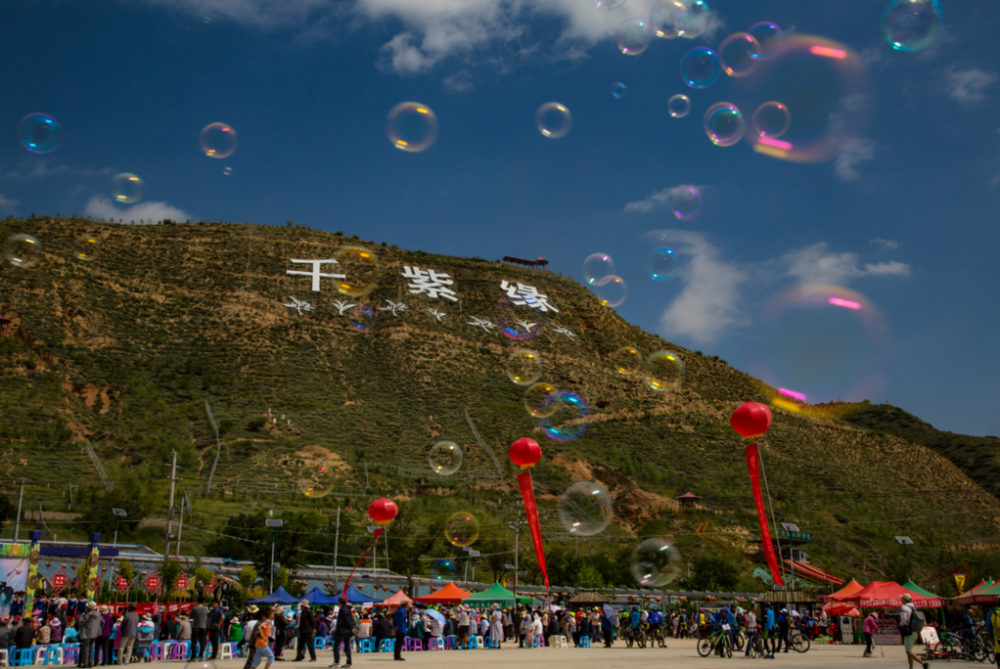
904 214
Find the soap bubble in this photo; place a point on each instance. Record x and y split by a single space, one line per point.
724 124
655 563
226 171
627 360
618 90
771 119
662 264
664 371
911 25
200 664
22 251
524 367
39 133
363 319
738 54
553 120
218 140
679 106
443 570
685 202
679 18
586 509
85 247
520 322
611 291
700 67
535 400
609 4
316 478
446 458
461 529
633 37
127 188
567 416
768 36
411 126
597 266
360 268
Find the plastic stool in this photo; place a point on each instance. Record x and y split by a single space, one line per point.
23 657
71 655
387 646
450 642
585 641
435 643
226 652
178 651
411 643
319 643
365 645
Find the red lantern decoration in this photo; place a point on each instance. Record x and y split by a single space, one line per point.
751 420
525 453
382 511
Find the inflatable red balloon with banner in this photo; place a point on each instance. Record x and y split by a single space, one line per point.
382 511
525 453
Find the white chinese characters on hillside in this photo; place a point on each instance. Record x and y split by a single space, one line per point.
429 282
521 294
316 273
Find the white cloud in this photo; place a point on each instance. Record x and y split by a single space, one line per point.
885 244
814 264
854 152
150 212
708 304
8 205
41 169
968 86
657 200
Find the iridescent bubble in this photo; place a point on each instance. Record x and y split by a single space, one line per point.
738 54
724 124
685 202
627 360
611 291
567 416
609 4
22 251
679 106
200 664
664 371
633 37
411 126
679 18
524 367
461 529
443 570
618 90
520 322
768 36
445 458
661 20
86 247
218 140
911 25
39 133
596 267
536 400
553 120
226 171
360 269
586 509
662 264
655 563
316 478
771 119
700 67
363 319
127 188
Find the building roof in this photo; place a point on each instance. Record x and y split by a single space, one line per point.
688 495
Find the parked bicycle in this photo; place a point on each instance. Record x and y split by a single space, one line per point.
716 642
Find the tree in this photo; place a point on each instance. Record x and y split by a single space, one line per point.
589 577
411 544
169 571
130 493
714 574
248 577
8 510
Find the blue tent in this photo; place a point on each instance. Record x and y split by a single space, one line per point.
316 598
354 596
279 596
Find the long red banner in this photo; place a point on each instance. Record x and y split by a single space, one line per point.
378 533
531 511
753 466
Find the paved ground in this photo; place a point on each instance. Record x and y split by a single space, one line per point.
680 654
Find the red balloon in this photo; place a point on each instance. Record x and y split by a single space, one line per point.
751 420
383 511
525 453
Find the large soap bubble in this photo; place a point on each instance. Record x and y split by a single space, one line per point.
655 563
662 264
443 570
633 37
596 267
664 371
679 18
360 268
738 54
771 119
445 458
524 367
679 106
39 133
411 126
685 202
218 140
536 400
911 25
627 360
127 188
612 291
700 67
461 529
553 120
567 416
22 251
768 36
724 124
86 247
316 478
585 509
520 322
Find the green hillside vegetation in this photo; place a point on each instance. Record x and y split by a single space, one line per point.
125 350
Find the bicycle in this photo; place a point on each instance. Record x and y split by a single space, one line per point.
755 640
655 634
987 640
717 641
632 636
800 642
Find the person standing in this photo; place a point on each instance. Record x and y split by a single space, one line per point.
307 633
90 625
606 629
907 620
784 622
199 630
6 634
399 625
24 636
870 629
751 623
496 627
214 628
464 619
104 643
129 629
280 633
770 643
343 632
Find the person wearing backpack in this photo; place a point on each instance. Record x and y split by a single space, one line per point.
911 622
261 639
993 627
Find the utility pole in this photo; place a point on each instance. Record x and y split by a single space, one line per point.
184 502
273 523
170 505
20 498
386 535
336 544
516 526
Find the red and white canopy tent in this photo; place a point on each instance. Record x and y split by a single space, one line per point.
969 596
887 595
449 594
848 590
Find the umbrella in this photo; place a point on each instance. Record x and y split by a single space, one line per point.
436 615
554 608
609 612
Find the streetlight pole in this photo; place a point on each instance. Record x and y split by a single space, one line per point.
119 514
275 523
516 526
906 541
20 498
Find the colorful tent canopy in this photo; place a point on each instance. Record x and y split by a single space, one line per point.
496 594
913 587
986 595
355 596
969 596
449 594
887 594
841 609
316 597
397 599
279 596
848 590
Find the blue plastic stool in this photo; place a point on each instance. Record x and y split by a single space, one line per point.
387 646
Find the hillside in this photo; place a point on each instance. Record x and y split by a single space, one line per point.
125 350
